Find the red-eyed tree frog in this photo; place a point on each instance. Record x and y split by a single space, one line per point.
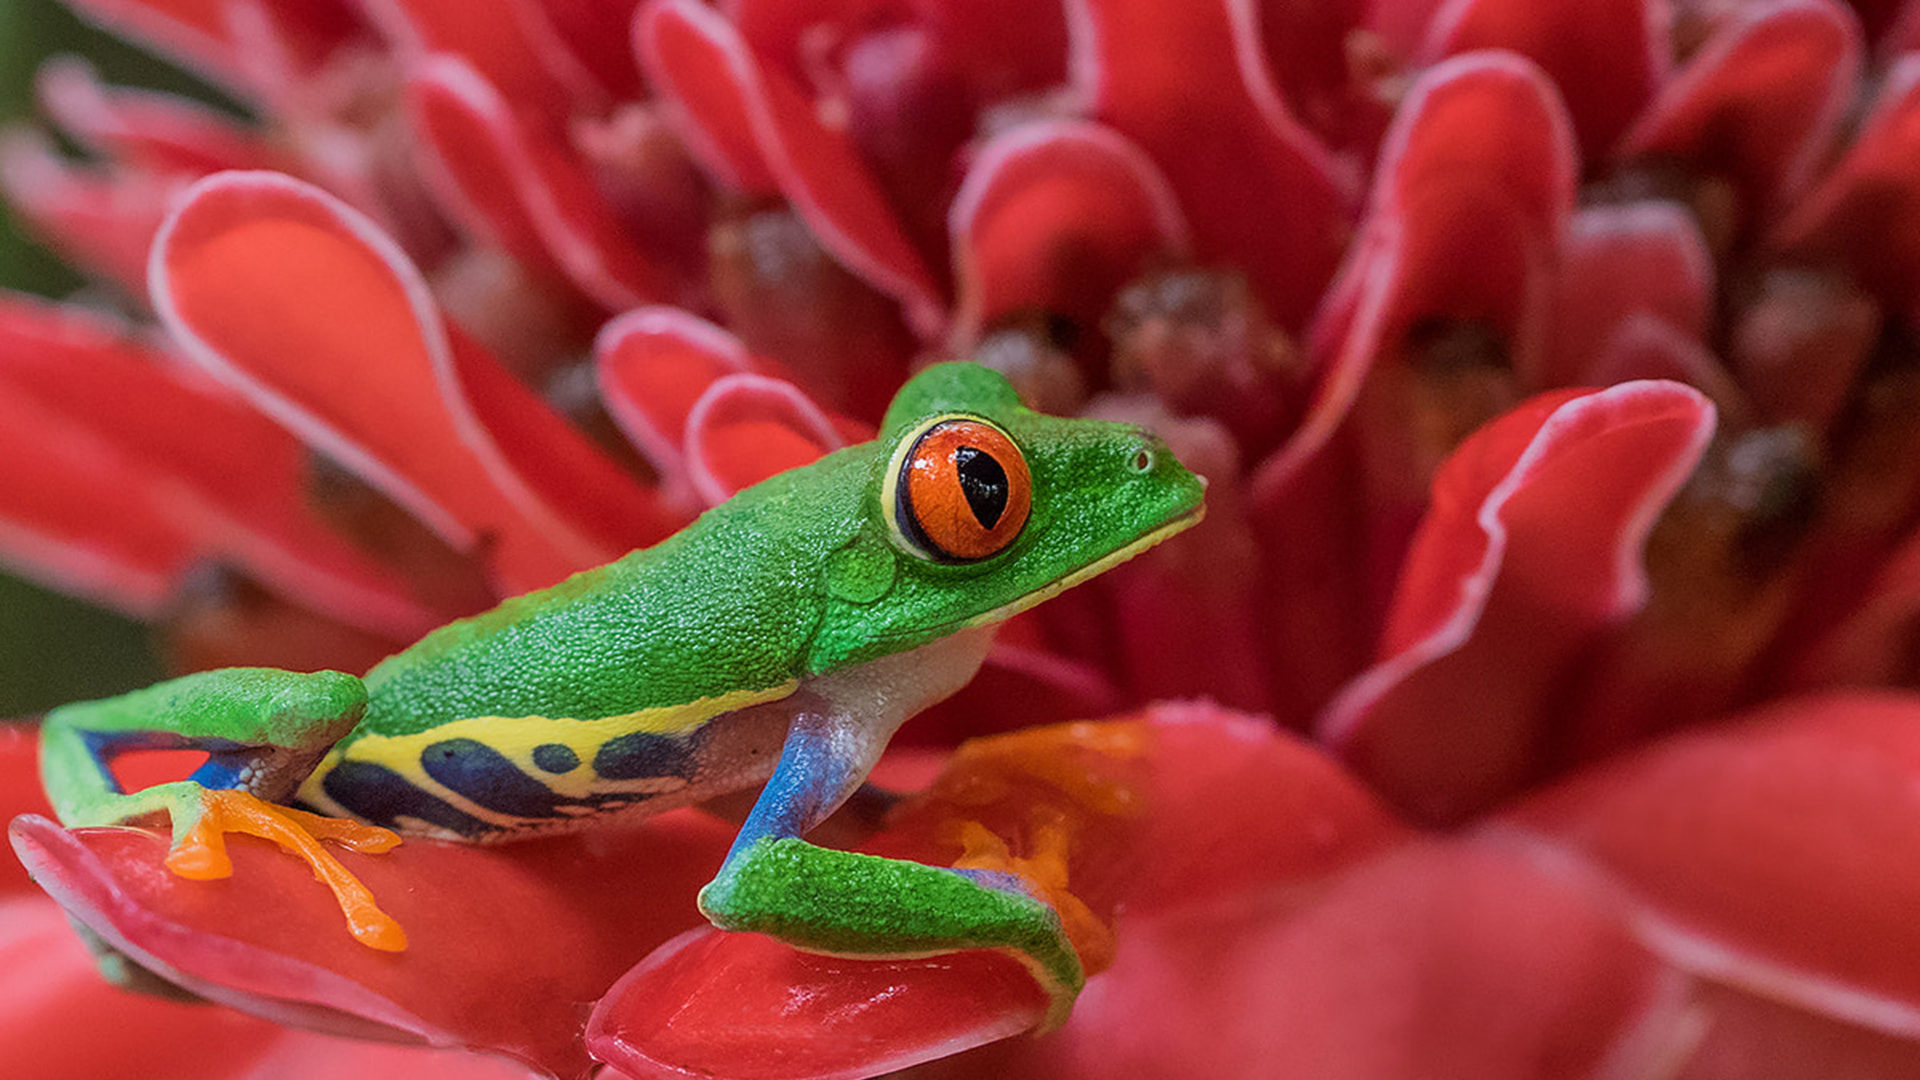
783 637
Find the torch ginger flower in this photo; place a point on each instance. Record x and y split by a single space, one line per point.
1534 701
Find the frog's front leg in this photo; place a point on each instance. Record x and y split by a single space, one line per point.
844 903
263 731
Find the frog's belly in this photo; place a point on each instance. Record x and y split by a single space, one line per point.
488 779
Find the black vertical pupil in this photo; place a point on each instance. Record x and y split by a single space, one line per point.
983 482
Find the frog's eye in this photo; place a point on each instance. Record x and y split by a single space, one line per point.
963 490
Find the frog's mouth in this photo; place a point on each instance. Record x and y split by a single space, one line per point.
1091 570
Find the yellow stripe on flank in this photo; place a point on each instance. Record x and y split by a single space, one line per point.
515 738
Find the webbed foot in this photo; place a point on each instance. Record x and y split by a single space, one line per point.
200 853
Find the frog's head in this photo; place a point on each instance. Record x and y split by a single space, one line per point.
982 508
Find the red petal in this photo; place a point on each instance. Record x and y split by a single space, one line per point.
746 427
1435 957
494 37
1760 103
652 365
592 34
1184 621
523 189
19 791
1235 805
1403 25
793 1016
226 478
1865 215
1648 347
52 997
60 1020
755 130
1308 46
1777 855
1056 215
1747 1037
302 305
1206 787
66 519
504 942
1532 547
1620 261
101 220
1477 171
156 132
214 36
1188 82
1873 645
1605 56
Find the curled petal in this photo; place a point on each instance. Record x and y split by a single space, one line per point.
1532 547
652 365
997 48
793 1016
1478 171
503 942
1606 56
746 427
48 981
304 307
1620 261
1056 215
547 213
1865 214
1156 73
1776 855
753 128
1760 103
1481 139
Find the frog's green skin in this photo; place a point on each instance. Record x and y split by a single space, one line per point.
794 624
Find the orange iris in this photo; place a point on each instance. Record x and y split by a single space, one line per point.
964 490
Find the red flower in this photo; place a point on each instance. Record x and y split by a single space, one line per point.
1552 365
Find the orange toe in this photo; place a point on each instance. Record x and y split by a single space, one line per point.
201 855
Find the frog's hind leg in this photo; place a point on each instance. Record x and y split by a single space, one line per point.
263 731
849 904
